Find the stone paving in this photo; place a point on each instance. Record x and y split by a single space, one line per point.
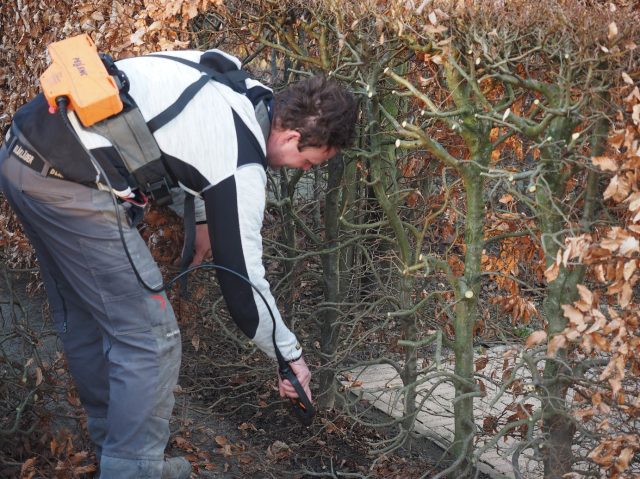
381 385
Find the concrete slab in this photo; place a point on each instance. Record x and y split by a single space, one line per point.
381 385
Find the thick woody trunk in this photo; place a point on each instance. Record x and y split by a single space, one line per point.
329 317
558 426
466 312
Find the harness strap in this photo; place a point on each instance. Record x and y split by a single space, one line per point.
189 225
177 106
234 79
29 157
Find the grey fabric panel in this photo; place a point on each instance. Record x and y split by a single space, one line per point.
262 115
129 135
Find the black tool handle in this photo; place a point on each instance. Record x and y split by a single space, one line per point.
302 407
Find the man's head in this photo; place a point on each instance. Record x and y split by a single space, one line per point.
313 120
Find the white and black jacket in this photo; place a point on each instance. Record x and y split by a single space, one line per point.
214 147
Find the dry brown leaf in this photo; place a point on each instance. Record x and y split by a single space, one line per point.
535 338
73 399
629 269
557 342
585 294
616 386
634 201
635 114
605 163
629 245
624 297
278 450
245 426
599 323
626 78
584 414
27 471
78 470
482 386
551 273
611 244
602 455
481 363
434 30
576 318
618 189
624 459
221 440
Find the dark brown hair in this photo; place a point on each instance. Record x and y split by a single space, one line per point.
320 109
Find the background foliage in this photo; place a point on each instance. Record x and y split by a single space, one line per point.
491 200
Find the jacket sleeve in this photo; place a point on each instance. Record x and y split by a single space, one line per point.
235 210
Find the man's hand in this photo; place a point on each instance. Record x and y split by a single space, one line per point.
300 369
202 245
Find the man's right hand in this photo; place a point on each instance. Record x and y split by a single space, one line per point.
301 370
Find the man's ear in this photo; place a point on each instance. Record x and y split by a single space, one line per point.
292 135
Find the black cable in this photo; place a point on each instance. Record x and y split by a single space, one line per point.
303 409
62 102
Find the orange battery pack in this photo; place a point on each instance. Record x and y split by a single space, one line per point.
77 72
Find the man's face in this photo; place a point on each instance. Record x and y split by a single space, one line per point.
282 150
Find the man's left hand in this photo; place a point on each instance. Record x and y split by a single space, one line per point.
202 245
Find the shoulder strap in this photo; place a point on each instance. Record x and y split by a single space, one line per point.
234 79
177 106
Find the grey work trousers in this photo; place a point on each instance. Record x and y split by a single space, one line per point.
121 341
